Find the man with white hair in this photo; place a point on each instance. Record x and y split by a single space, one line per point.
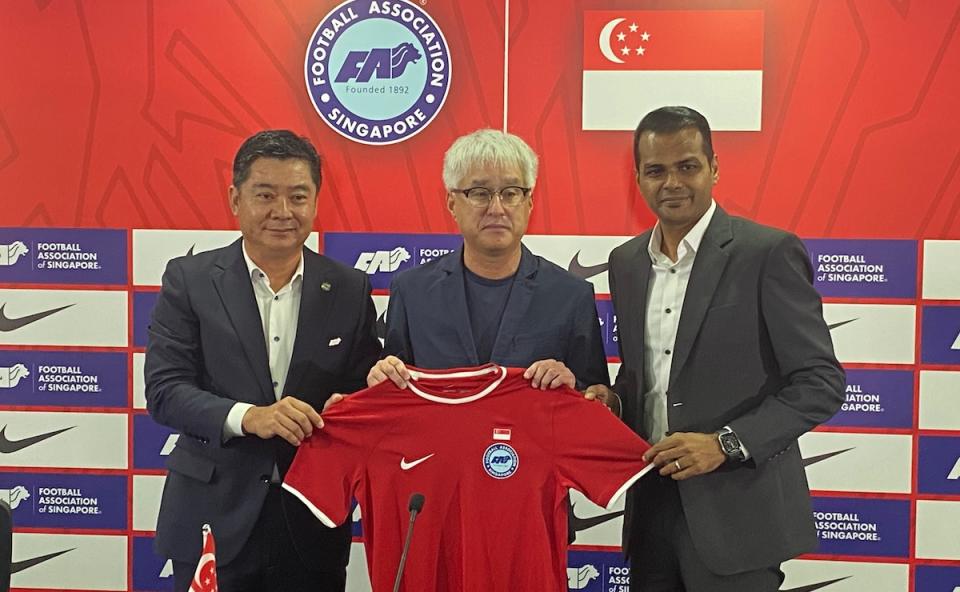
492 300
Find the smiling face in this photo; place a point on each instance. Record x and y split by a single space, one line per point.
675 177
494 230
275 207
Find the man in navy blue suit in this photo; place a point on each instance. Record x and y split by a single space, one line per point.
492 300
245 345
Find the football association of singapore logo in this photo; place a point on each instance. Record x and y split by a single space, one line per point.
377 72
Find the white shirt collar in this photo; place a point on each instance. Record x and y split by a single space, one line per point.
692 240
255 271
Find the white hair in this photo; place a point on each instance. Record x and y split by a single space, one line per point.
488 147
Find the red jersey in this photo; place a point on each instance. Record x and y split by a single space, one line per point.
493 458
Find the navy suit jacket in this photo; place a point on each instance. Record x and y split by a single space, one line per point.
205 352
549 314
753 352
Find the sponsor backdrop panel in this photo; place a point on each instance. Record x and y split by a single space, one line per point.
936 532
68 379
48 500
63 317
940 400
849 462
941 268
809 124
69 562
147 490
803 575
63 256
63 440
872 333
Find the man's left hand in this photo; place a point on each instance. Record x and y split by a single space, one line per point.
685 454
544 374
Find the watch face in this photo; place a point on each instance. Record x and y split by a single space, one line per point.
730 443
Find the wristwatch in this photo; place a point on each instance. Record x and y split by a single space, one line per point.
730 444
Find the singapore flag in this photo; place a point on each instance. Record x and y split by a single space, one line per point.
636 61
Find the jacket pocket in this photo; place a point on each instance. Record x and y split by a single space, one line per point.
190 465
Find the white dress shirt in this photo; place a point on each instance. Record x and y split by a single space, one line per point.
280 314
665 294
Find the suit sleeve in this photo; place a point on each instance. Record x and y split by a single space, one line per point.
174 365
595 453
801 343
585 355
397 342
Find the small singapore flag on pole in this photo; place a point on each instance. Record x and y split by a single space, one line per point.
205 579
636 61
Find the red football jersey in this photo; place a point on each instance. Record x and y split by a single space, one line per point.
493 458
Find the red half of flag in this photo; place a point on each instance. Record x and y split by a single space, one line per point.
501 433
205 578
673 40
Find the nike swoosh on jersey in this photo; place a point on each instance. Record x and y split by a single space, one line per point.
8 324
8 446
585 523
833 326
817 586
406 466
585 271
822 457
18 566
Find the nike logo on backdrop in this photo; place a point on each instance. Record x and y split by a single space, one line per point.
8 446
8 324
406 466
812 587
585 271
17 566
822 457
833 326
585 523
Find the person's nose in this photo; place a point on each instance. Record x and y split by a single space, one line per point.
672 181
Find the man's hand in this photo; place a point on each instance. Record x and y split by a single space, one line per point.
332 400
289 418
390 367
684 455
544 374
602 393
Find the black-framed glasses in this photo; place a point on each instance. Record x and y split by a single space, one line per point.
480 197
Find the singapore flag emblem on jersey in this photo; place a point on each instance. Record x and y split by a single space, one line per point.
636 61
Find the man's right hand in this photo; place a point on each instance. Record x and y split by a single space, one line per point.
602 393
390 367
289 418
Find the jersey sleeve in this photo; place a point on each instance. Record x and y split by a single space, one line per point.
594 452
329 465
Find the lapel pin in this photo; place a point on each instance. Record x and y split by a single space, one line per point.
325 286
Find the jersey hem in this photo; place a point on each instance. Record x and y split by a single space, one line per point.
629 482
313 509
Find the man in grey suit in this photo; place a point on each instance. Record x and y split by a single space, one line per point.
726 362
246 343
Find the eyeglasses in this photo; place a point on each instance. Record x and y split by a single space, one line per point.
480 197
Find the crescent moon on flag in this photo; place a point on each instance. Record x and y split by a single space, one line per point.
605 34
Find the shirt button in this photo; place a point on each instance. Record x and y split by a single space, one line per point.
666 351
275 383
668 311
276 298
672 270
276 339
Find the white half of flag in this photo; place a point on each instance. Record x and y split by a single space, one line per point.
729 99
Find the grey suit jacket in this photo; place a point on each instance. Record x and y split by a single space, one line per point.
752 352
205 352
550 314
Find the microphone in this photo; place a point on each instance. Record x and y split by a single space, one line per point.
415 506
